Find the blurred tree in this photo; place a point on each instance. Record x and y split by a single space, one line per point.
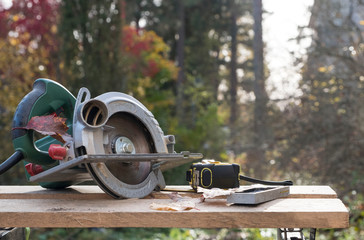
90 35
150 75
207 58
33 25
328 125
261 97
28 48
194 61
180 58
233 77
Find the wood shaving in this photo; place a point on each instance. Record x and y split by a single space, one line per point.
178 203
217 192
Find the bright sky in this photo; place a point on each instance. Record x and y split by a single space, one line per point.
6 3
279 26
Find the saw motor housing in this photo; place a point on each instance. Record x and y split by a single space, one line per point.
47 97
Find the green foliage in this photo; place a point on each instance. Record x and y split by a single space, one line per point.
152 234
148 74
201 129
90 34
100 233
356 207
27 233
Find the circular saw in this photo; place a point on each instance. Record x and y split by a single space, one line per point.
114 141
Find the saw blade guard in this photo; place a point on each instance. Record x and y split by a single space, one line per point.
114 123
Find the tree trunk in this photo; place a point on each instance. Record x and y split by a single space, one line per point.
180 59
261 98
233 81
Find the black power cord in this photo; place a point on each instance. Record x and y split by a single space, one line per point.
11 161
254 180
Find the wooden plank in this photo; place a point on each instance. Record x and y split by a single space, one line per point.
213 213
94 192
312 192
37 192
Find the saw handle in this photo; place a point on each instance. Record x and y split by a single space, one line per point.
24 109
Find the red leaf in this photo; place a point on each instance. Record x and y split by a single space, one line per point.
49 125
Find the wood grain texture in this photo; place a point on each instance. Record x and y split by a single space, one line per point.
37 192
302 213
88 206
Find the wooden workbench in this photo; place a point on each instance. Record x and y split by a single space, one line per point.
88 206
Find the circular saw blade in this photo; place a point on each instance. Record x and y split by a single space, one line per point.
128 127
125 126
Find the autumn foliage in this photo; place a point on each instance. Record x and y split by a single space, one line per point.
49 125
147 68
147 52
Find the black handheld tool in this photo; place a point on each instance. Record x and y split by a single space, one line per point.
213 174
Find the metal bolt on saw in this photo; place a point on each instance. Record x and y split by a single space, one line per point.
116 142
